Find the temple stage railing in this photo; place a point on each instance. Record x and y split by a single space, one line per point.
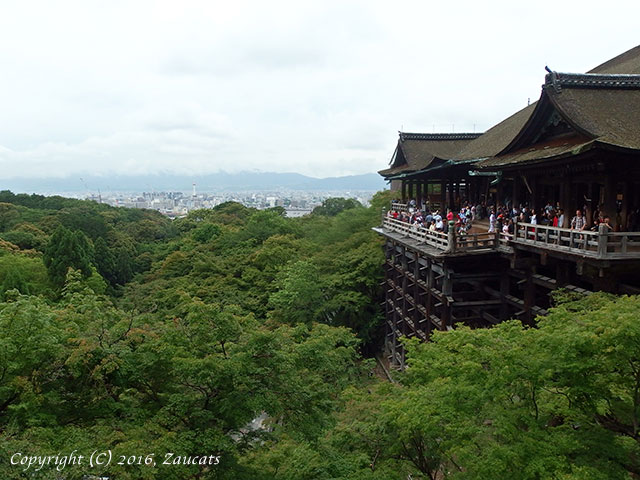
600 244
449 242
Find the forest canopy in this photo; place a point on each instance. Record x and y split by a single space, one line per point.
252 337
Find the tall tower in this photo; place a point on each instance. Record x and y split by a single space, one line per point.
194 190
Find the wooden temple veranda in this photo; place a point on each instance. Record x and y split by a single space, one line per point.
578 146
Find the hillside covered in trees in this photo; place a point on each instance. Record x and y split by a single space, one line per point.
248 336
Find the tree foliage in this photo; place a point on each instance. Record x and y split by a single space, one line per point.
241 333
556 401
67 249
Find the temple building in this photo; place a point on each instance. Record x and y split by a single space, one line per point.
576 148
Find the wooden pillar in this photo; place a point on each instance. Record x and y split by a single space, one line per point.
416 292
405 269
419 194
626 197
456 197
474 188
610 192
451 196
394 312
404 191
428 296
535 204
504 291
447 290
529 296
487 187
565 201
515 195
563 274
443 197
388 345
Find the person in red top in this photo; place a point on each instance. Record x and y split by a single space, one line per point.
449 215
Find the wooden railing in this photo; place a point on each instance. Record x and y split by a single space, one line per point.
586 243
599 244
400 207
447 242
423 235
578 241
623 244
475 241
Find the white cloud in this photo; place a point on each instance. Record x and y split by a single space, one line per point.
319 88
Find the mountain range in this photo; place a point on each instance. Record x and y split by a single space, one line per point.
217 182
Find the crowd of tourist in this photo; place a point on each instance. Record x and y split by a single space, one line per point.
436 220
503 219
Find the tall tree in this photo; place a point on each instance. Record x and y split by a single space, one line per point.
67 249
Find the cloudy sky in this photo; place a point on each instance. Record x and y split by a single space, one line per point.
320 88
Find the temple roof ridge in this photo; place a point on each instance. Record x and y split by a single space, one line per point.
438 136
557 80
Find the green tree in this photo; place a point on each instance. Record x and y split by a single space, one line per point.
205 232
105 261
8 215
299 298
67 249
333 206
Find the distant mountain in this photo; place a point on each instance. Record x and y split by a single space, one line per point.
244 181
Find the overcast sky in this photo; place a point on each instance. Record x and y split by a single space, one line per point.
320 88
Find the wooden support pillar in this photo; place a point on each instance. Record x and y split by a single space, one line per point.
563 275
429 296
487 187
443 197
447 290
626 197
529 296
474 185
504 291
416 292
610 193
419 194
404 329
404 191
515 195
450 203
565 201
534 193
456 197
394 313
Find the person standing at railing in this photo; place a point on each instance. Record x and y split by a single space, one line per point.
492 221
597 220
578 222
560 218
607 224
428 219
439 224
